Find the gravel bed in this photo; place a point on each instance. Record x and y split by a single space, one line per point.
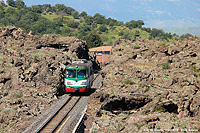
46 115
75 115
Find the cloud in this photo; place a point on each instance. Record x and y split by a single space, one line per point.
173 0
198 9
110 0
143 0
163 12
109 8
159 12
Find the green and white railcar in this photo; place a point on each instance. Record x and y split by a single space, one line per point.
79 76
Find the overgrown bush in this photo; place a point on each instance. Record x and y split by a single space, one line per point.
165 65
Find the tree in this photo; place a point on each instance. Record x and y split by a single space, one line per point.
93 40
185 36
89 20
175 36
84 29
72 24
75 14
134 24
83 14
98 18
156 33
103 28
1 11
69 10
19 4
2 3
46 7
140 23
126 36
60 7
11 3
37 8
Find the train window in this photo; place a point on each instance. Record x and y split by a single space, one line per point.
71 73
81 73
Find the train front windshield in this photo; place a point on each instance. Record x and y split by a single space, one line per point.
71 73
81 73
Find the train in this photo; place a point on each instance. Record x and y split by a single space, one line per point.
79 76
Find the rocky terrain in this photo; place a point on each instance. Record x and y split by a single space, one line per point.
148 86
31 74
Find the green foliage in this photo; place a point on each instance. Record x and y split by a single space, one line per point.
136 47
18 94
88 20
59 19
75 14
11 3
72 24
159 34
93 40
165 65
160 108
185 36
128 81
83 14
99 19
134 24
103 28
19 4
2 3
139 125
84 29
126 36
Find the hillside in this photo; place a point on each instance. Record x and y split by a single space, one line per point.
66 21
150 82
183 30
148 86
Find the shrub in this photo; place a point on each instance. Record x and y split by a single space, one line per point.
160 108
165 65
18 94
128 81
139 125
136 47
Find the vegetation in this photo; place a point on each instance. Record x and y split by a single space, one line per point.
60 19
165 65
128 81
18 94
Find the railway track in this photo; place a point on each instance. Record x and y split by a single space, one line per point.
55 122
64 116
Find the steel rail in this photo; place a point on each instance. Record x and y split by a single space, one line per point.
46 123
66 115
96 77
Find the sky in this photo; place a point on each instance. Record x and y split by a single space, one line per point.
154 13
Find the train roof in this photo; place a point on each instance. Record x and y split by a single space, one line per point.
79 64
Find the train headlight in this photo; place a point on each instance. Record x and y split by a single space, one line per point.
69 83
84 83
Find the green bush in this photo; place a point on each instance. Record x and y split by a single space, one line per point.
136 47
160 108
18 94
165 65
128 81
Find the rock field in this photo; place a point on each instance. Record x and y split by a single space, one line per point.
31 74
148 86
